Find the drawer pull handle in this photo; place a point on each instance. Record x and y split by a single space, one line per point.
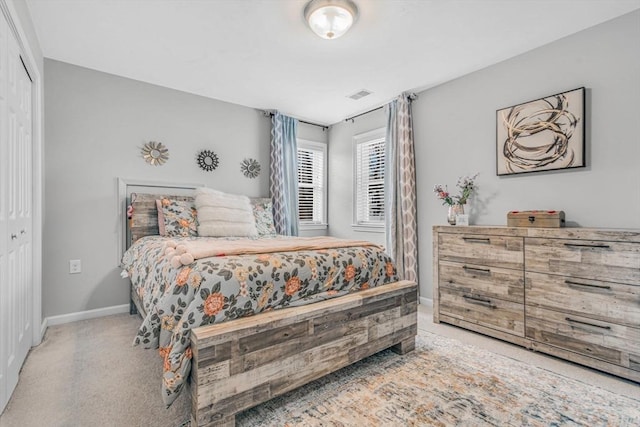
568 319
477 240
587 285
478 270
584 245
479 301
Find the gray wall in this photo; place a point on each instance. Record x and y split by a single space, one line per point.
341 172
454 128
96 124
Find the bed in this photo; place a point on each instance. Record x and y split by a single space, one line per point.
244 359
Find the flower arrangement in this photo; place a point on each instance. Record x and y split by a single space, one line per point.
467 187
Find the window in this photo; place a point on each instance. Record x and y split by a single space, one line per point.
369 180
312 184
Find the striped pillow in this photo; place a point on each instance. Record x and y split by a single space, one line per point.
224 215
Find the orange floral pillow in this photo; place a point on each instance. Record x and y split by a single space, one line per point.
177 218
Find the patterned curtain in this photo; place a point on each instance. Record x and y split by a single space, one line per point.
284 174
400 189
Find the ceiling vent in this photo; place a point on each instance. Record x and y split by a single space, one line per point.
360 94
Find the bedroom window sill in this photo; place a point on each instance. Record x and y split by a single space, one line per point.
305 227
368 228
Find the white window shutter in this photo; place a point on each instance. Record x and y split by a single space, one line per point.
311 182
370 182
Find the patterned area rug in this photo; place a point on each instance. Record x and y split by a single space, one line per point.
444 383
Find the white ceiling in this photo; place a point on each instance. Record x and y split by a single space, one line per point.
259 53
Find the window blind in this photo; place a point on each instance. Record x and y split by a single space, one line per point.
310 185
370 182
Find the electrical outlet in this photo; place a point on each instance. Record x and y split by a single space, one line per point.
75 266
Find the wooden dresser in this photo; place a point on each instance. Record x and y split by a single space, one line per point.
570 292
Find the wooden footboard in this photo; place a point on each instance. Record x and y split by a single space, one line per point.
237 365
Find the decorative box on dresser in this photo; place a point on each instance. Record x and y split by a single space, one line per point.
570 292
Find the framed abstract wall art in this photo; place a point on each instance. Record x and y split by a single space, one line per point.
542 135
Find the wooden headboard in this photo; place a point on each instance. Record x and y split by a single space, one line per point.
144 198
144 221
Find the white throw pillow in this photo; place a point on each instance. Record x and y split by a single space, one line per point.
221 214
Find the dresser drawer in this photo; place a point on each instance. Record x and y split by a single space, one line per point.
598 260
617 344
606 301
494 313
488 250
494 282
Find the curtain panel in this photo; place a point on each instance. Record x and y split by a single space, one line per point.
284 174
400 188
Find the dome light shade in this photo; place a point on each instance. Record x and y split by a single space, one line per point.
330 19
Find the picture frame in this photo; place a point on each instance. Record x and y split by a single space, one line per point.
542 135
462 219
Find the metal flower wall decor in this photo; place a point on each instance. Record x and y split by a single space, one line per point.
155 153
207 160
250 168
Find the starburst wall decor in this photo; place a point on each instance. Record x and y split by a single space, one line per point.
207 160
250 168
155 153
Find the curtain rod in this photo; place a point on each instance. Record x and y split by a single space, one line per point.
324 127
362 114
314 124
412 96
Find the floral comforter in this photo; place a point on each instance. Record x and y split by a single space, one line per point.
217 289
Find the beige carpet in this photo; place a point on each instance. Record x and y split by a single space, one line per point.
76 378
88 373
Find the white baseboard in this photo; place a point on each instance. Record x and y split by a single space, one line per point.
84 315
43 329
428 302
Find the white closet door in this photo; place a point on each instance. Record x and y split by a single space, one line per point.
4 227
15 213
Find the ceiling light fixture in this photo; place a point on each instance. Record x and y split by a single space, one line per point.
330 18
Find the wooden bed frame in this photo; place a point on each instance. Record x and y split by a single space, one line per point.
241 363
